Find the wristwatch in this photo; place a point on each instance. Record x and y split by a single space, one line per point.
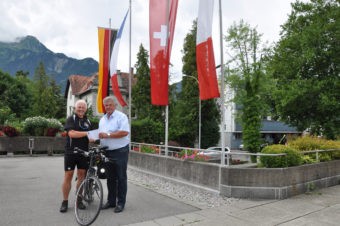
108 134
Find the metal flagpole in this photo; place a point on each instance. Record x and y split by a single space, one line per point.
130 76
167 106
222 90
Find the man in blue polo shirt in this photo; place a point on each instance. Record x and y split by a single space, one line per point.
114 133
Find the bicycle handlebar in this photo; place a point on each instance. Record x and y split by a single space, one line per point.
94 149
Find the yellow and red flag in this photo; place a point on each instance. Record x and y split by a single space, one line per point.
106 39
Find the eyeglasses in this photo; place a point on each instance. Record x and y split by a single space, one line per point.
85 125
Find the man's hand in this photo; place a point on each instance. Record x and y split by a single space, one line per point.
103 135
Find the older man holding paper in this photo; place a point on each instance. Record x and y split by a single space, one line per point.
114 133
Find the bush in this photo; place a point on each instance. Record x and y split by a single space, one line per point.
292 157
311 143
39 126
147 131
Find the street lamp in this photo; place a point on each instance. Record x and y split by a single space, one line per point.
199 113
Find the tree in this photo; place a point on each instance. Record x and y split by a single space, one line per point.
141 92
60 107
148 115
248 80
185 116
14 96
44 102
306 64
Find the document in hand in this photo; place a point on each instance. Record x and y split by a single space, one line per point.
93 134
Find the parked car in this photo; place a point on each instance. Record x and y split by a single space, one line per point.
214 153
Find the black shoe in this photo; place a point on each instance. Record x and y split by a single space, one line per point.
108 205
64 206
80 205
119 209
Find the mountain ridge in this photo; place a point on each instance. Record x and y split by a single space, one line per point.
25 54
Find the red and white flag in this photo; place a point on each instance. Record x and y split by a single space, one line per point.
205 52
113 65
160 49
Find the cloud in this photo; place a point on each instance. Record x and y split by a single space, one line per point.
70 27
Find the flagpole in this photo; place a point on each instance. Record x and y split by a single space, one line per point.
167 106
130 76
222 90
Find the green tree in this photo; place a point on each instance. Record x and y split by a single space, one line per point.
44 102
14 96
185 118
141 92
306 64
60 107
248 80
147 114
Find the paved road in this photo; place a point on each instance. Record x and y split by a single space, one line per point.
30 194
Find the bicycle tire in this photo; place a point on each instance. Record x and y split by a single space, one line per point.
90 192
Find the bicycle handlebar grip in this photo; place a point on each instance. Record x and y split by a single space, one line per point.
103 148
77 150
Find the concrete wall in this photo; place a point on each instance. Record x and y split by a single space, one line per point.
204 174
243 181
22 144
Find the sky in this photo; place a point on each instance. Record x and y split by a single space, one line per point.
70 26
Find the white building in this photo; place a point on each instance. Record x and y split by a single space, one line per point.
86 88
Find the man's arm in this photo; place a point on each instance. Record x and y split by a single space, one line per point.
116 134
77 134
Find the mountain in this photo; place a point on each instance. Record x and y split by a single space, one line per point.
26 53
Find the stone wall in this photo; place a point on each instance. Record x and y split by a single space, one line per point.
242 181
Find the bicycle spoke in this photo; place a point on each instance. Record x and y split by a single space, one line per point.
91 200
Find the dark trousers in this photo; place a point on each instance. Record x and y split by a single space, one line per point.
116 175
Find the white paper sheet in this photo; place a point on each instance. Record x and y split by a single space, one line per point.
93 134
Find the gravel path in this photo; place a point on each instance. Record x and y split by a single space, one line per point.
191 195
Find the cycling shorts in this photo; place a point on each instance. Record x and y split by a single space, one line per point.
73 160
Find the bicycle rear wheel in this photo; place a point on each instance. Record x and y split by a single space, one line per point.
90 193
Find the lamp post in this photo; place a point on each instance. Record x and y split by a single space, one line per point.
199 113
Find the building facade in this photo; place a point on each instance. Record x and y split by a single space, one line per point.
86 88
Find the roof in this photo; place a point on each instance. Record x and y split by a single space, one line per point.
80 83
272 127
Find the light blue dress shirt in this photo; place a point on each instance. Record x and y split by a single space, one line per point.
118 121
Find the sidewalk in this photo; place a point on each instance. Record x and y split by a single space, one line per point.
321 207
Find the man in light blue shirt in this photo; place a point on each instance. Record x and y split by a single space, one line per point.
114 132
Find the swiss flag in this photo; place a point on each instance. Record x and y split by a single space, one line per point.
205 52
160 49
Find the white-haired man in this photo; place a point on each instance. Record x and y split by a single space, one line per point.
114 133
76 126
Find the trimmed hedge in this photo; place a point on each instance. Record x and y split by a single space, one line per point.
292 157
311 143
147 131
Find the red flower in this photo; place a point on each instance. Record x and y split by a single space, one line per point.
1 134
63 134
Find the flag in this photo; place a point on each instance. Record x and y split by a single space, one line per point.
160 49
105 38
206 69
113 65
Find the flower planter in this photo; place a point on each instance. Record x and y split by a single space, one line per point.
242 181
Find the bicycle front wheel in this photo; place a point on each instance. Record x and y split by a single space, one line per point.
89 199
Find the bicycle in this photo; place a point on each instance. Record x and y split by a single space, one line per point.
90 191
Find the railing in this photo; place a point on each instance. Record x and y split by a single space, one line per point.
173 150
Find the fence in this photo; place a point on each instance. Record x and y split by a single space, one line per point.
173 150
